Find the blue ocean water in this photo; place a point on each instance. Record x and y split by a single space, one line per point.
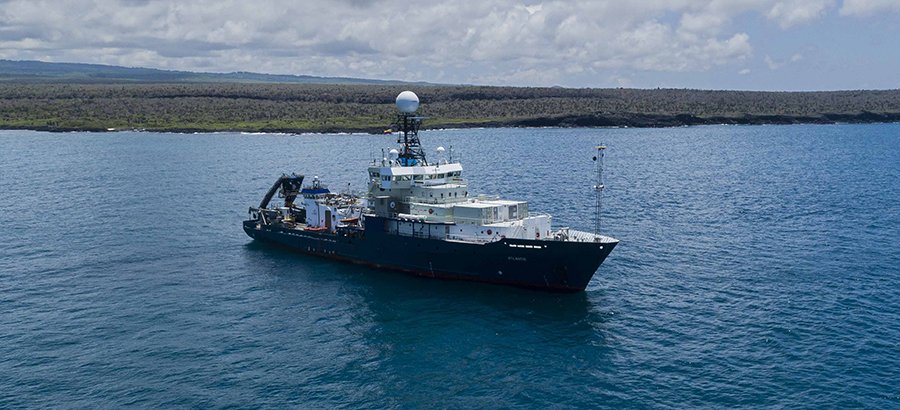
758 266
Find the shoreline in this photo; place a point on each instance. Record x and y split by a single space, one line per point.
627 120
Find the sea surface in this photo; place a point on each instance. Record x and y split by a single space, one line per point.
759 266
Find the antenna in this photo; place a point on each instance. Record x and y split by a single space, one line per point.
598 188
408 123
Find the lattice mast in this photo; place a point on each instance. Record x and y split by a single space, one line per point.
598 187
408 124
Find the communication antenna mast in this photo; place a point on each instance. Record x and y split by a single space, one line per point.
598 188
408 123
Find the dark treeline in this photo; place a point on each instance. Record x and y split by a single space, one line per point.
369 108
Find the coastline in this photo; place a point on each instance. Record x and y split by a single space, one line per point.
625 120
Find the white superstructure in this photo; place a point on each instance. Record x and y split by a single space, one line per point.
439 195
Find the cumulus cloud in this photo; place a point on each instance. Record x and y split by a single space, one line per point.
793 12
533 43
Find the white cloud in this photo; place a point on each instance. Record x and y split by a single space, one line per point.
793 12
621 81
776 64
534 8
535 43
708 23
868 7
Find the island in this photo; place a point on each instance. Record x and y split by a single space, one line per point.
71 97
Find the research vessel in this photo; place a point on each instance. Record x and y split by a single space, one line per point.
418 216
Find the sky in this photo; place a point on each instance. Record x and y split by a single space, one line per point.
707 44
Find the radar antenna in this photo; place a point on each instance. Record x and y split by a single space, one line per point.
598 188
408 123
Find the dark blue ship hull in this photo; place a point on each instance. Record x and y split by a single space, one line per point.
549 265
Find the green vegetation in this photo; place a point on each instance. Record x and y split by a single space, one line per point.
224 106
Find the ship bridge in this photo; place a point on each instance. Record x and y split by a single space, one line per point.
389 178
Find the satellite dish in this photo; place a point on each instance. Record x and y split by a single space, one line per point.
393 153
440 150
407 102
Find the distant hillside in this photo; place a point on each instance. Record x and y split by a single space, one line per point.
42 72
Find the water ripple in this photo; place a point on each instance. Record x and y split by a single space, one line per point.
757 269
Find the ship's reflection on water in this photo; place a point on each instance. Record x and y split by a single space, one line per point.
409 336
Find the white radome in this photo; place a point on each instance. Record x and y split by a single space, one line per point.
408 102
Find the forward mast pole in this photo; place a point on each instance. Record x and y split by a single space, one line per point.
598 187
